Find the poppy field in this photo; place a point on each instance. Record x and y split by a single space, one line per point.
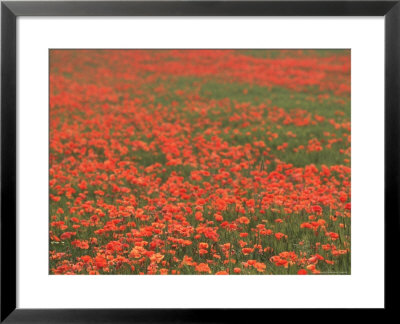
200 162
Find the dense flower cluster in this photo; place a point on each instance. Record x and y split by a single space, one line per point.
199 162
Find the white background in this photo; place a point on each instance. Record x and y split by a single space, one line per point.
363 288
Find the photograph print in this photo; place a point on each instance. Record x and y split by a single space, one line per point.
200 162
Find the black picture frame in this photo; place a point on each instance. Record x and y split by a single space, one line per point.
11 10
